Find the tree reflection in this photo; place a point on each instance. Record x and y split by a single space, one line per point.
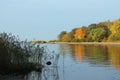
50 73
79 52
67 49
96 55
114 56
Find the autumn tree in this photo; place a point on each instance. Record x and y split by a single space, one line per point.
102 31
115 31
79 34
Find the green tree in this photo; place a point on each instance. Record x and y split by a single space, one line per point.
65 38
103 25
88 29
61 35
97 34
107 23
72 34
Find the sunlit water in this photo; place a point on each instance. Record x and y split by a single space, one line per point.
78 62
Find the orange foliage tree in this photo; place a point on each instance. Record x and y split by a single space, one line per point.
79 34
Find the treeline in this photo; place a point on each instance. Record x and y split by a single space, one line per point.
38 41
106 31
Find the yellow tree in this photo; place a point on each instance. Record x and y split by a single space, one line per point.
115 31
115 28
79 34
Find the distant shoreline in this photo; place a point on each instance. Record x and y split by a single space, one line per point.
88 43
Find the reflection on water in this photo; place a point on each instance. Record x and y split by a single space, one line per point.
114 54
48 73
79 52
94 54
85 62
91 62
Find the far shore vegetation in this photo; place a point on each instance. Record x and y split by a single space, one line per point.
107 31
104 32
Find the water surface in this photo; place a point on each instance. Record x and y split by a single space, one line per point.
78 62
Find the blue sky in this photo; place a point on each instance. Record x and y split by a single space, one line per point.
45 19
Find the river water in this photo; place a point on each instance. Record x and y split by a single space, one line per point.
77 62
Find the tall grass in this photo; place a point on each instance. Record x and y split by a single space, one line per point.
18 56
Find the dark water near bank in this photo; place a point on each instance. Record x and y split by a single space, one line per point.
78 62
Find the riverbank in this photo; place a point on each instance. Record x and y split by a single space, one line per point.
88 43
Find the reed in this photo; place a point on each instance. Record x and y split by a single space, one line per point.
19 56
